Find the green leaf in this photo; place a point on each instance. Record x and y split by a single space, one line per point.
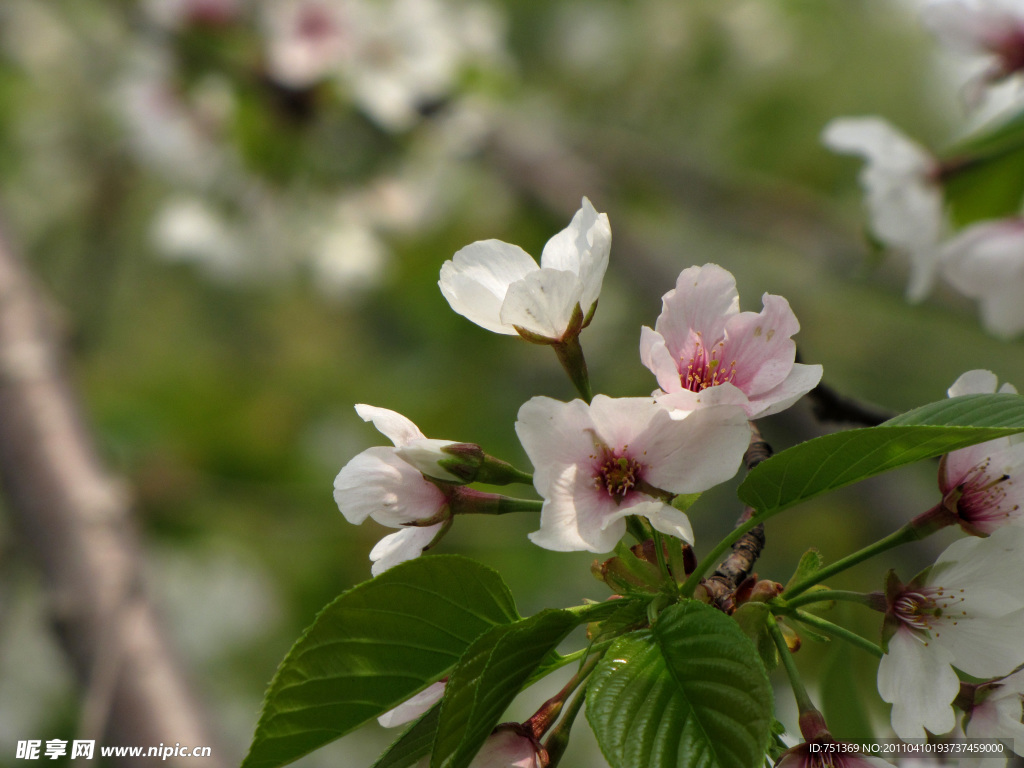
833 461
684 501
752 618
414 744
689 693
490 675
374 647
810 563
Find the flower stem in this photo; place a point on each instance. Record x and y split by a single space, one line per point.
869 599
558 739
905 534
570 355
659 553
834 630
803 701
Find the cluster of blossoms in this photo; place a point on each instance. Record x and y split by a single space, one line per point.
600 460
903 182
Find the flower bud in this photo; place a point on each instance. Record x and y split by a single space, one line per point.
443 459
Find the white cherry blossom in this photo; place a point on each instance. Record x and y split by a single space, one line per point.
902 192
986 262
997 715
968 613
508 748
704 351
378 483
981 484
596 464
501 288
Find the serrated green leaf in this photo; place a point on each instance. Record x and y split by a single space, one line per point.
489 676
414 743
689 693
374 647
833 461
628 615
810 563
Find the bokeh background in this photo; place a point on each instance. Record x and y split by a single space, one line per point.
239 211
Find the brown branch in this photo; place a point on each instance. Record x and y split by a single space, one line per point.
75 519
739 564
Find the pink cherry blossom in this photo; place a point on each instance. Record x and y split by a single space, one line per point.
981 484
986 262
997 714
704 351
508 747
597 463
990 29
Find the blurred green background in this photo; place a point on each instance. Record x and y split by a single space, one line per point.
240 251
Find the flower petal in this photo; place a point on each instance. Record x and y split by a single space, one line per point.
411 709
394 426
801 380
702 301
477 278
396 548
574 518
976 382
378 484
761 346
670 520
542 302
554 435
582 248
919 682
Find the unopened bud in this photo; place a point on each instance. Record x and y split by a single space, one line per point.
443 459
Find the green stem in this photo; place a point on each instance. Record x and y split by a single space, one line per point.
905 534
713 557
828 595
834 630
570 355
803 701
558 739
659 553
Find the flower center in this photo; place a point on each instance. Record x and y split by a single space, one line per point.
982 497
929 608
617 475
705 368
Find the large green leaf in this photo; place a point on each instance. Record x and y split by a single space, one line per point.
374 647
833 461
689 693
491 674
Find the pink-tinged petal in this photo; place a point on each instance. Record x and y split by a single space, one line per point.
378 484
761 346
976 382
582 248
554 434
476 280
507 749
801 380
695 453
684 401
956 467
658 360
394 426
573 516
396 548
413 708
542 302
974 29
702 301
919 682
617 421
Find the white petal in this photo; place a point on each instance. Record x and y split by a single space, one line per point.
582 248
920 684
554 435
670 520
477 278
574 517
542 302
378 484
801 380
695 453
506 749
986 647
396 548
658 360
394 426
426 455
976 382
413 708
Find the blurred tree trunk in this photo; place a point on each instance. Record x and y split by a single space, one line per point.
75 520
